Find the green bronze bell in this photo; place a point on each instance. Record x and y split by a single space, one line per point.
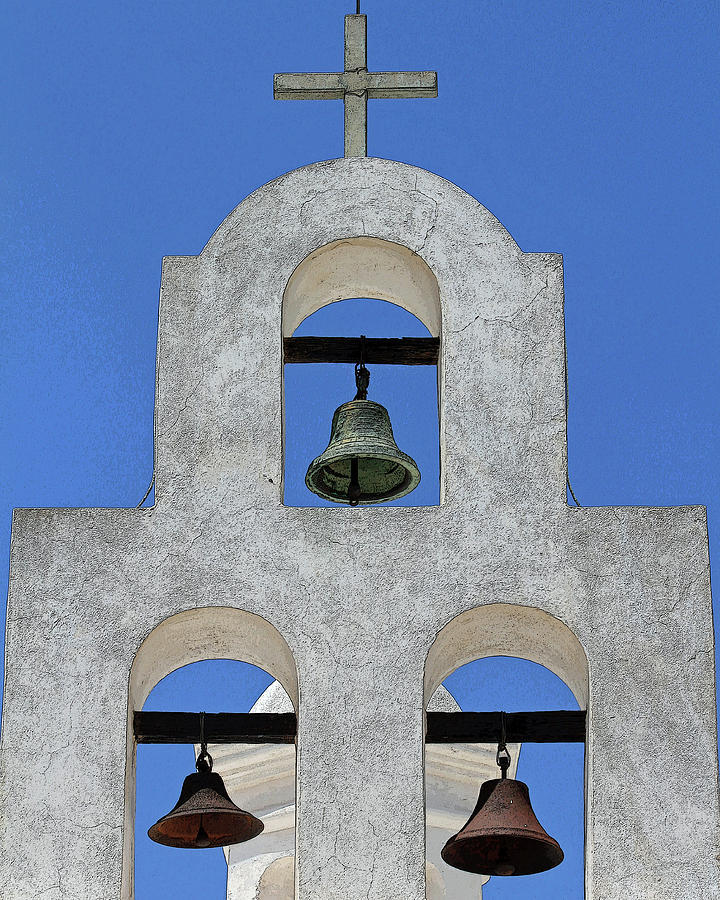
362 463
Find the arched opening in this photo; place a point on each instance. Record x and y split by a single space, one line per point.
211 660
212 686
517 659
363 286
313 392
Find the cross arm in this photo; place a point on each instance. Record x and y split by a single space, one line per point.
334 85
401 85
310 86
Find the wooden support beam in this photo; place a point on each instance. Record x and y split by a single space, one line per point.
220 728
281 728
539 727
378 351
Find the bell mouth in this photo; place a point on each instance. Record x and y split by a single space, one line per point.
331 479
502 854
219 828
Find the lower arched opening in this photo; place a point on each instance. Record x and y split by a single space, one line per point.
214 660
517 659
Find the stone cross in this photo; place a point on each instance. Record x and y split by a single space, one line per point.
355 85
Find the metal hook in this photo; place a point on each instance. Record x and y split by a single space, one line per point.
204 762
502 757
362 376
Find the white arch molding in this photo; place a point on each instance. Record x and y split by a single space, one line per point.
278 881
362 267
508 629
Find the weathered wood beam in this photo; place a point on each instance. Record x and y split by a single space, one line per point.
379 351
540 727
281 728
220 728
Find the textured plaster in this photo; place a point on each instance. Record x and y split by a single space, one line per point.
261 778
359 596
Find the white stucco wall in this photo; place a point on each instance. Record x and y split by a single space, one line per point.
261 778
355 598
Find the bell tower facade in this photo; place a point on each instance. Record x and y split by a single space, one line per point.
360 613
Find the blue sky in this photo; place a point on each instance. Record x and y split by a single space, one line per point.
133 129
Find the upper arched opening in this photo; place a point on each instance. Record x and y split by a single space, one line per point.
362 267
312 392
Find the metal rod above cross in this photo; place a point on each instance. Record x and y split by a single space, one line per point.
355 85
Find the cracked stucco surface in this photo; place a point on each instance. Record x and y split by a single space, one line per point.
359 595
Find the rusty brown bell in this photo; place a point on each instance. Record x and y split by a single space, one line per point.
205 816
503 836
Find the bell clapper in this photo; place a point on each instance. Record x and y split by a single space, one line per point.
354 490
202 841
